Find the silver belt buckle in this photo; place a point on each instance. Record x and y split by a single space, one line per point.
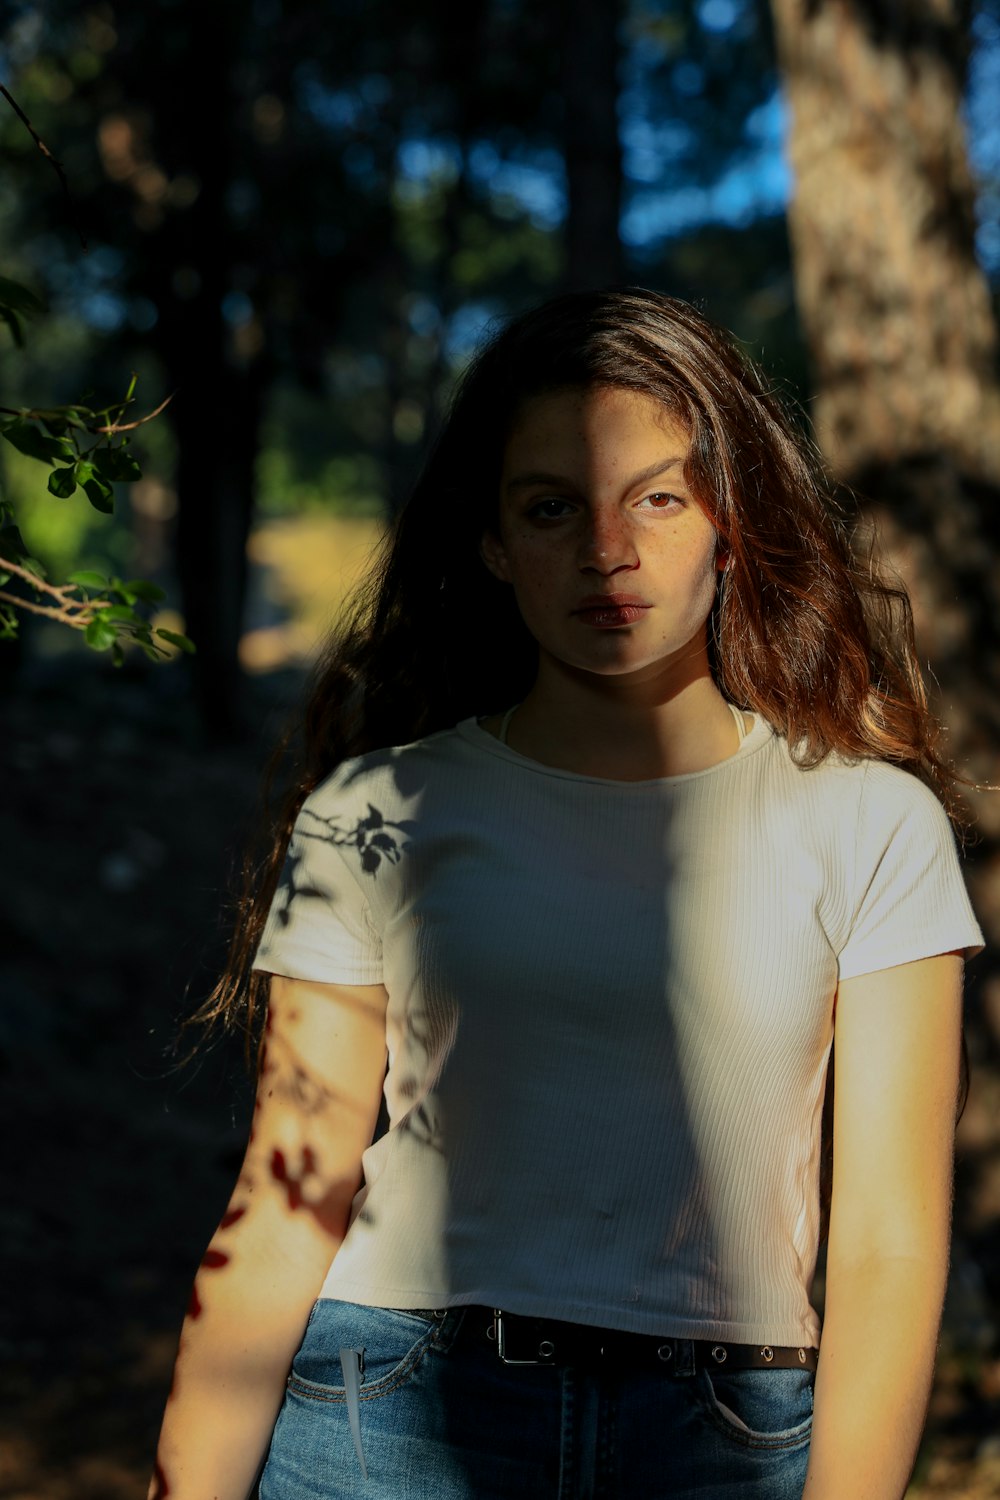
503 1348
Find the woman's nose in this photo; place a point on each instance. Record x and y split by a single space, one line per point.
606 543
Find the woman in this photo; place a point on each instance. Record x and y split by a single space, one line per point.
618 800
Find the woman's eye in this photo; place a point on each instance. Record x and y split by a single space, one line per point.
552 508
660 501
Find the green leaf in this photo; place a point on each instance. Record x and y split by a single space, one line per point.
117 655
30 440
177 640
88 580
17 297
100 494
149 593
5 578
83 470
155 653
13 323
99 634
12 543
119 612
116 465
56 426
62 484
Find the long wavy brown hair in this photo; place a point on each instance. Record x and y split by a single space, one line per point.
806 630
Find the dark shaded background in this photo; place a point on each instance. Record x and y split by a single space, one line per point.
299 219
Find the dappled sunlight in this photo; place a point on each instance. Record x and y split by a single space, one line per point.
296 1164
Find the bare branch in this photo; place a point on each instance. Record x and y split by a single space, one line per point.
54 591
46 152
51 612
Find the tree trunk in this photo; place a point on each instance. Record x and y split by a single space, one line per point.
592 53
895 309
903 344
898 321
217 422
219 373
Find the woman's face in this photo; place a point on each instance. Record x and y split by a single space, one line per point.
612 560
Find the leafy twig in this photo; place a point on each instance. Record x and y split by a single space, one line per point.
87 602
79 621
130 426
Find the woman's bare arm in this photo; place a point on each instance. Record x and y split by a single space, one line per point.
317 1103
898 1041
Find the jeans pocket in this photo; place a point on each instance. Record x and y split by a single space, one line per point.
391 1345
760 1408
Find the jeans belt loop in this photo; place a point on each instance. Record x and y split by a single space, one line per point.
683 1356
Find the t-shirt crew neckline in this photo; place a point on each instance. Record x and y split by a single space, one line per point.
755 739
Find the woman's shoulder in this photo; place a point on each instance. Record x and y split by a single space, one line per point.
870 797
393 773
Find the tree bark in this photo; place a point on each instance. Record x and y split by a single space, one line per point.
895 309
903 345
592 52
898 321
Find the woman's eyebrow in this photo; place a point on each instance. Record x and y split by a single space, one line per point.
524 481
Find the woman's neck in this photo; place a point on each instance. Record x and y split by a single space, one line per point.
623 736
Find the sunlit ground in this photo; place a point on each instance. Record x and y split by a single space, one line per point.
303 569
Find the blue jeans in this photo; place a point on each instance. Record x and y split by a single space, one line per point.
439 1417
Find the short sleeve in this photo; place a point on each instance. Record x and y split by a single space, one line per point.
319 926
910 900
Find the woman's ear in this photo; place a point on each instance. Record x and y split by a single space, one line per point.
493 555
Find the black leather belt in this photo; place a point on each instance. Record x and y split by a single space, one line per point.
545 1341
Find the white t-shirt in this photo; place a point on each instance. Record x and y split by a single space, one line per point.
610 1014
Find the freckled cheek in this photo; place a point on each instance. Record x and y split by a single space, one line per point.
532 572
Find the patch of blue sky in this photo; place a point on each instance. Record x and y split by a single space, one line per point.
767 125
336 109
647 144
466 329
102 310
84 287
983 126
539 189
237 309
423 159
534 181
719 15
22 39
423 315
755 185
341 109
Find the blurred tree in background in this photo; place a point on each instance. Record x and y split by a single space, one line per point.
898 317
897 313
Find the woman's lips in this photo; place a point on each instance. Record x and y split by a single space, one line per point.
615 610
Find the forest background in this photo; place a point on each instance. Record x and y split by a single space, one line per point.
295 221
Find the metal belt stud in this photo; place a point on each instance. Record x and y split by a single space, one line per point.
720 1353
546 1349
768 1353
665 1352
